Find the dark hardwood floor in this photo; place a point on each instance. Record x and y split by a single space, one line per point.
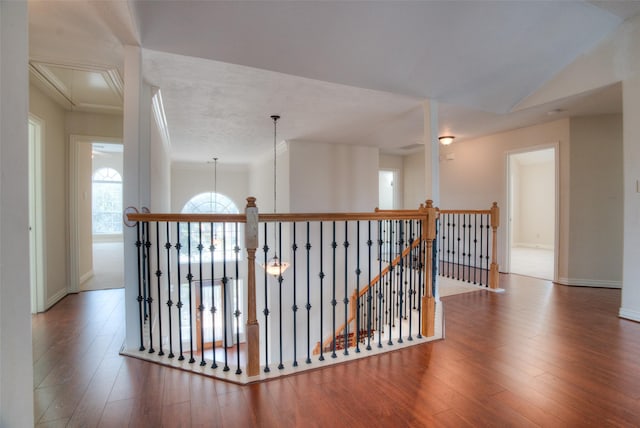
537 355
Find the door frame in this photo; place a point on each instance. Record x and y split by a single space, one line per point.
74 144
397 184
507 236
36 217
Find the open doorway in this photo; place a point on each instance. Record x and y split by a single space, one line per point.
96 214
532 205
388 192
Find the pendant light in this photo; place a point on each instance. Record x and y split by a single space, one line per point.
275 266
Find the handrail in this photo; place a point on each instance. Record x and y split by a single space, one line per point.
395 262
284 217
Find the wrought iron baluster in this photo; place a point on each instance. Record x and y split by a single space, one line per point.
140 298
158 275
190 280
475 247
390 292
421 267
294 308
167 247
481 246
308 305
369 296
358 271
265 248
225 319
212 248
201 305
179 305
334 302
147 258
280 279
236 312
400 280
412 301
346 289
488 226
321 275
379 284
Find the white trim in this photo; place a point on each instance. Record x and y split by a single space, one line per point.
74 142
507 236
581 282
56 298
629 314
87 276
527 245
39 255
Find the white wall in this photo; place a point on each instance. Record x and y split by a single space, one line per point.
414 180
596 213
536 206
191 179
16 361
160 171
477 175
332 177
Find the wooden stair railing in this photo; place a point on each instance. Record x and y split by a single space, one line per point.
339 333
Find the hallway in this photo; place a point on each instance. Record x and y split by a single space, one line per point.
537 355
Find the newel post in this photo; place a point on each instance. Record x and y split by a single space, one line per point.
494 276
253 330
428 300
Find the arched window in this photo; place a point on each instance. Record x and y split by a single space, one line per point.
217 238
106 202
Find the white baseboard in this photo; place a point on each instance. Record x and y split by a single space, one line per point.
629 314
87 276
527 245
56 298
581 282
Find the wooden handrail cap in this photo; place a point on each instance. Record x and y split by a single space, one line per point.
251 202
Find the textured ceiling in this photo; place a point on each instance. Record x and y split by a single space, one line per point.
343 72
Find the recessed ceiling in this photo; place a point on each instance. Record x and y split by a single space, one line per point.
78 87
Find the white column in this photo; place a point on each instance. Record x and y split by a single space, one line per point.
431 152
630 306
16 361
137 111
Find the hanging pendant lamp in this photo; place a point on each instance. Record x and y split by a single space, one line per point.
275 267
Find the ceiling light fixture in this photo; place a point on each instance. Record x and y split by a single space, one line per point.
275 267
445 140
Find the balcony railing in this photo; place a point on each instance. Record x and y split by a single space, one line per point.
205 303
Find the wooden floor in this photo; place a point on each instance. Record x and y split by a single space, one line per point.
537 355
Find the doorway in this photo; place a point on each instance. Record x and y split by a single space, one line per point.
36 224
532 205
388 193
97 260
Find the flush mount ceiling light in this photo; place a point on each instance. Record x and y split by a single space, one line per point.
445 140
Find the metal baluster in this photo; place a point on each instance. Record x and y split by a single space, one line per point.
369 296
475 247
147 245
212 248
481 245
358 271
179 305
379 285
280 365
400 281
201 305
265 248
346 290
294 308
308 306
158 275
167 246
421 277
190 280
390 289
411 274
469 250
449 244
334 302
140 299
225 281
321 275
464 248
237 312
488 226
